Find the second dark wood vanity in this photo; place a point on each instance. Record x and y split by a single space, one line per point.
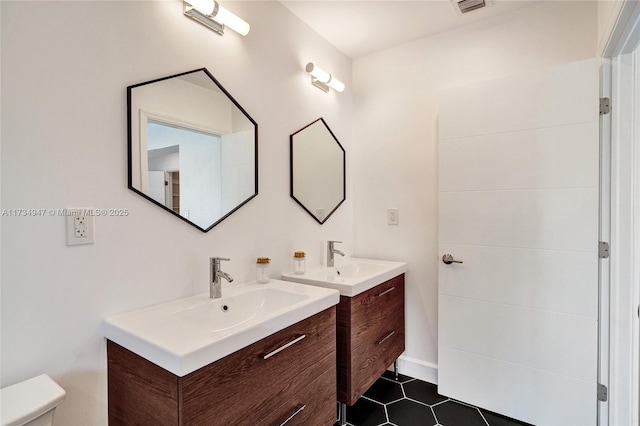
370 336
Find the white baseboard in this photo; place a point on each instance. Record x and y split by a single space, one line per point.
418 369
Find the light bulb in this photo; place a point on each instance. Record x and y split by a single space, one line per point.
324 77
204 6
232 21
336 84
318 73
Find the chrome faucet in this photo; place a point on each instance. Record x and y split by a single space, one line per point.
215 285
331 250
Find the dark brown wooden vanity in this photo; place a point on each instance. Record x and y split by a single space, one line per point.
370 335
253 386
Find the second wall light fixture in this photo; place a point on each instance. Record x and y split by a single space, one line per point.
322 79
215 17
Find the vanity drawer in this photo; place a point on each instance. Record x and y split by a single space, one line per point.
318 399
372 310
373 357
370 336
244 387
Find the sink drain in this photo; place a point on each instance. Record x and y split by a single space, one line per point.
224 308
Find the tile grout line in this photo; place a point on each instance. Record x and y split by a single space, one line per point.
420 402
392 402
386 413
398 382
434 411
370 400
434 415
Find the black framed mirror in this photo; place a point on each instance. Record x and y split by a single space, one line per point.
318 170
192 147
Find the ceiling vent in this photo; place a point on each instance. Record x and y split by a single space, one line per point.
465 6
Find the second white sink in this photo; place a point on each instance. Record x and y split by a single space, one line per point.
350 276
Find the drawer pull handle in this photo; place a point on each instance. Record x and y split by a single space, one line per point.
281 348
379 342
293 415
386 291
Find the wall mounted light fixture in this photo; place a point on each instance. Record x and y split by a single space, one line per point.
322 79
215 17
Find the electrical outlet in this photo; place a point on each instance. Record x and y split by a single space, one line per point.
392 216
79 226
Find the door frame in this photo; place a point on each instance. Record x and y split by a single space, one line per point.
621 162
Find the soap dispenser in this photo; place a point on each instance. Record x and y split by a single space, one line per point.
262 270
299 263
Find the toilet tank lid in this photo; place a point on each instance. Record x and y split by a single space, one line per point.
27 400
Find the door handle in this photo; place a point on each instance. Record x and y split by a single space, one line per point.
448 259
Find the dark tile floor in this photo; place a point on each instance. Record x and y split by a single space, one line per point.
408 402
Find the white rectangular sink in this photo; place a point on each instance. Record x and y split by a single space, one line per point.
350 276
184 335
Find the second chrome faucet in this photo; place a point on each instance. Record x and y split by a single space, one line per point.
215 284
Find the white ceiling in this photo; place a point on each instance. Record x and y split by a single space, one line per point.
360 27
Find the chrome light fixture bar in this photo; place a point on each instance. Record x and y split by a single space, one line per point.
322 79
196 15
215 17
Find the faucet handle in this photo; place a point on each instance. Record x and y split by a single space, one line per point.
217 259
334 242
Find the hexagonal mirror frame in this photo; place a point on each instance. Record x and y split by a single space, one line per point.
185 131
317 170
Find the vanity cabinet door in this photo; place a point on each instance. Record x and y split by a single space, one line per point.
371 335
244 388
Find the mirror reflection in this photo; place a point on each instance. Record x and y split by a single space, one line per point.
192 148
317 170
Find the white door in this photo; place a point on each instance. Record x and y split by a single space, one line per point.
157 186
518 205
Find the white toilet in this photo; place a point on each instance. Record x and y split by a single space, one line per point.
30 403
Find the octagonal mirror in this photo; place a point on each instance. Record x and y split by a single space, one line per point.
192 147
317 170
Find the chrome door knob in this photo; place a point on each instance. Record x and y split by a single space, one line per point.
448 259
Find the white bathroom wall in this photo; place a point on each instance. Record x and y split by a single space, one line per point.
396 113
65 68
